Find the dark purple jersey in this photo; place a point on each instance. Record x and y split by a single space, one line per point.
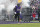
17 10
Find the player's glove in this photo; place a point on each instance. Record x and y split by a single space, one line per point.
20 12
15 12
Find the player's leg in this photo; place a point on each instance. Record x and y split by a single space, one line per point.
18 16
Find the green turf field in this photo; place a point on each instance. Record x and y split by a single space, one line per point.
21 25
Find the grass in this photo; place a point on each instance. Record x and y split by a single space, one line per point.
21 25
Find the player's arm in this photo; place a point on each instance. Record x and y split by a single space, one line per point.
14 10
20 10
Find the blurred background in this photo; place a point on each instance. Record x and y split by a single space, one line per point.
30 10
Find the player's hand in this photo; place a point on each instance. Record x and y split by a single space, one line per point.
20 12
15 12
